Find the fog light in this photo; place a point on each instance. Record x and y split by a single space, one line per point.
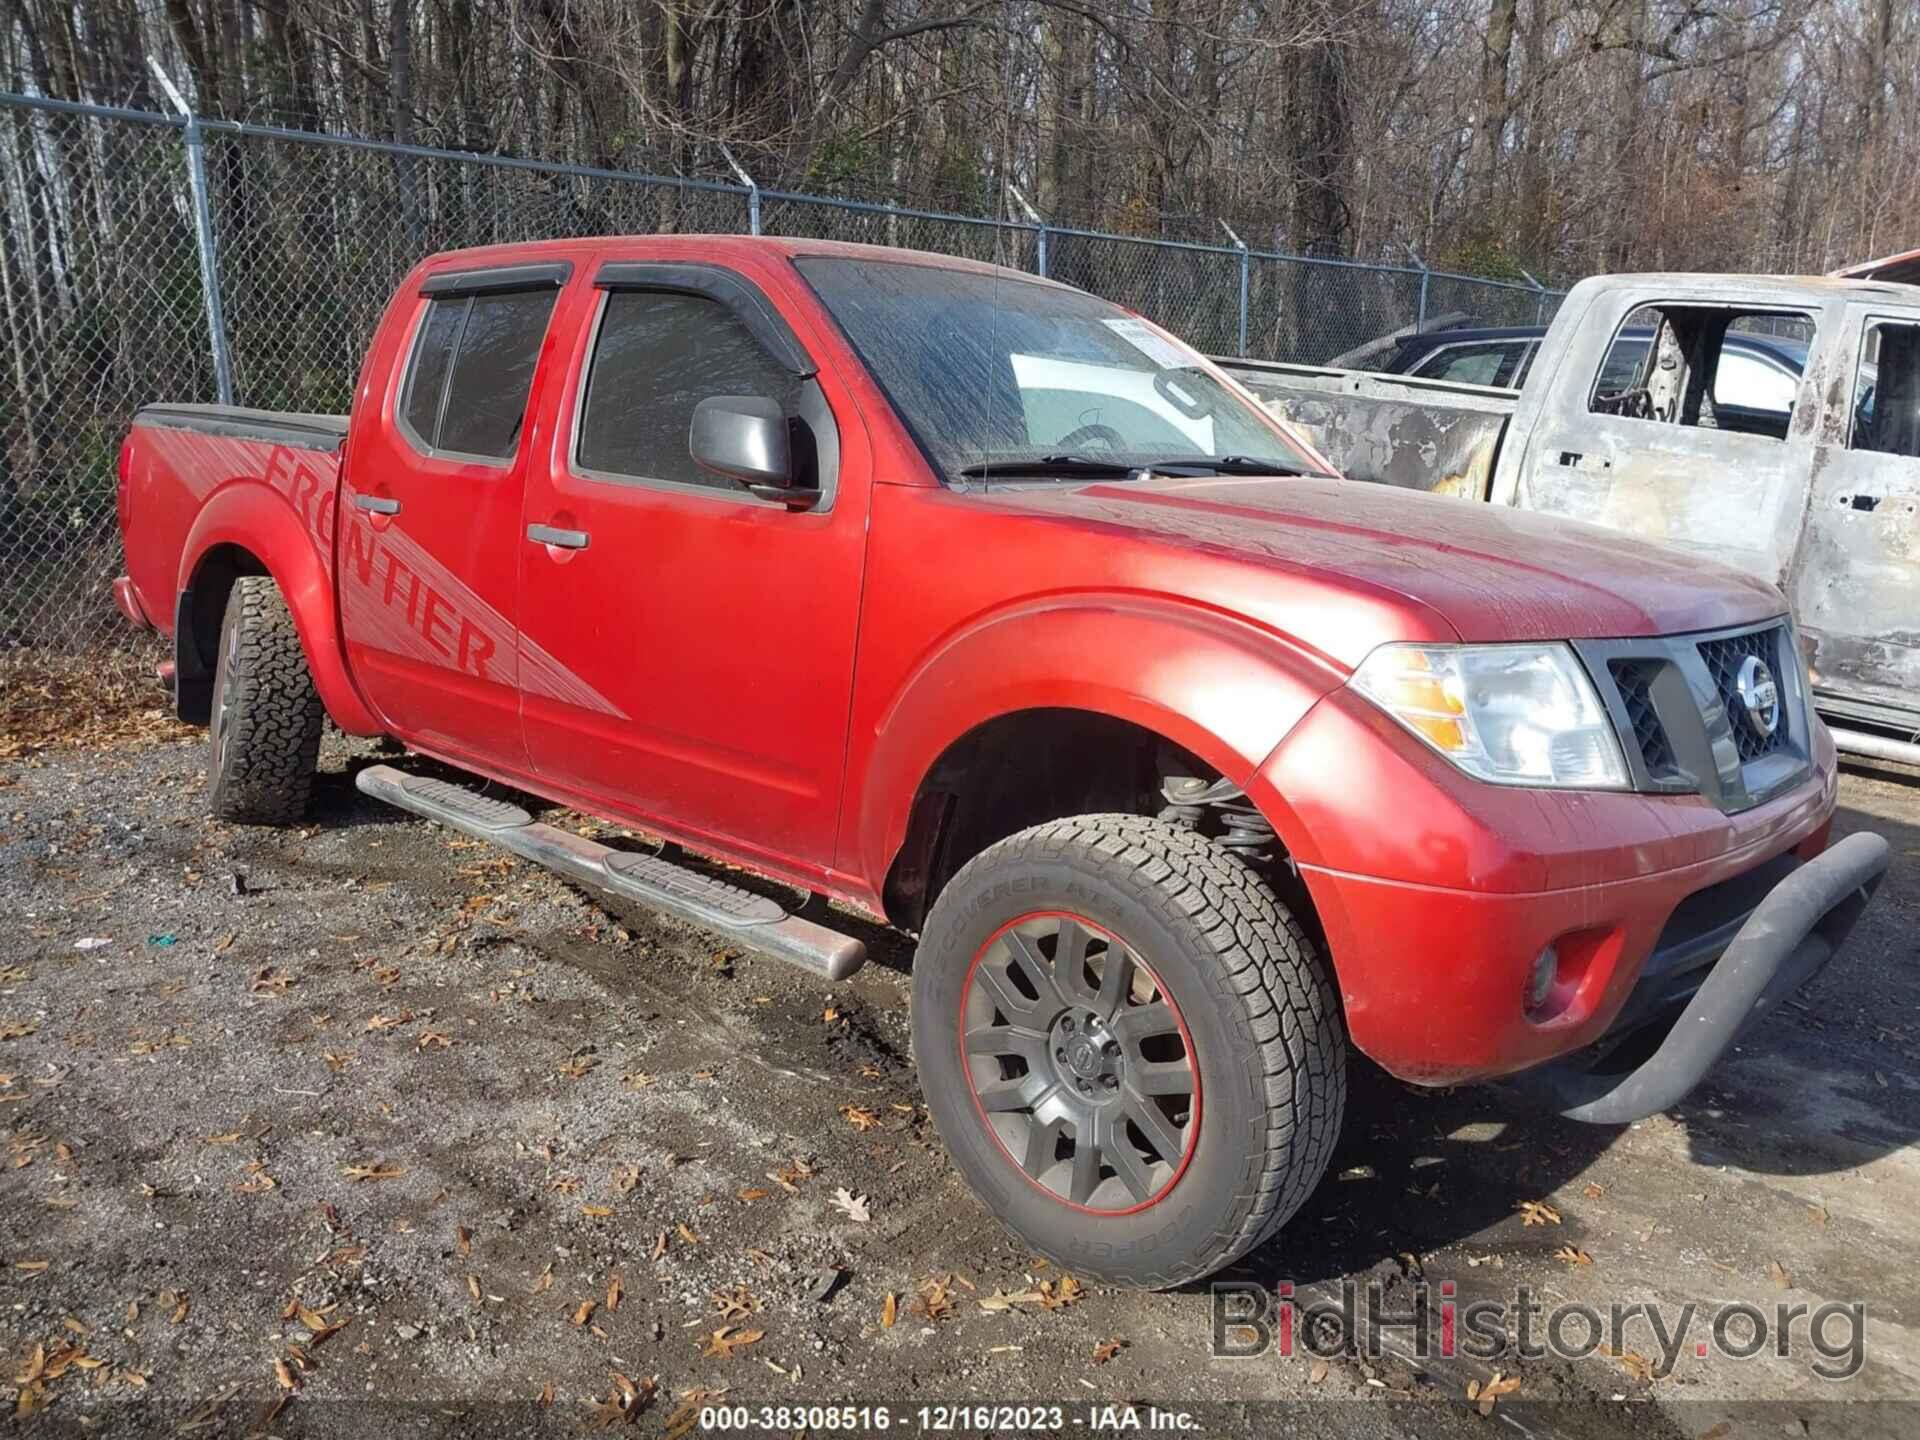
1546 969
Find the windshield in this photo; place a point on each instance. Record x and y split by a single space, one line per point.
992 372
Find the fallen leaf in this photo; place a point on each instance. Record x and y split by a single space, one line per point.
1490 1393
859 1117
1573 1256
889 1311
624 1402
596 1212
687 1236
1058 1294
463 1238
17 1029
659 1246
854 1207
379 1170
616 1288
284 1375
546 1394
585 1311
1635 1364
723 1342
473 1288
1001 1300
1594 1191
1107 1349
734 1304
1780 1275
1538 1212
753 1193
1317 1373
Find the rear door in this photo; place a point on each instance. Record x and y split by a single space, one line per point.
713 631
428 562
1856 582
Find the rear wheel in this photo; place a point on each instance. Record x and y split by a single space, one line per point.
1130 1047
265 740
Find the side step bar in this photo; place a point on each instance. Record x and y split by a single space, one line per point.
739 914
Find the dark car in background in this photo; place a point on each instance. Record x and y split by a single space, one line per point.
1756 371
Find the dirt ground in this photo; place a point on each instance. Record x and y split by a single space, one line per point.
364 1127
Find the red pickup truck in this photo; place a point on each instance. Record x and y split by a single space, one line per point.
993 609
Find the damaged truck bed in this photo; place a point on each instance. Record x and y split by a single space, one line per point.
1811 481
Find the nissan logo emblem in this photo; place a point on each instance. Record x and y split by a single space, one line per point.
1759 695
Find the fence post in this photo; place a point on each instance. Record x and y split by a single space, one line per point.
753 192
1040 231
1246 278
1426 275
1540 300
203 237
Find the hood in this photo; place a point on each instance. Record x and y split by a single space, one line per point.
1490 573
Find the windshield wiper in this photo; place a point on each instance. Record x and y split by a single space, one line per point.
1049 465
1222 465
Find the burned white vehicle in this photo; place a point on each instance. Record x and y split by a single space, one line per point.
1629 418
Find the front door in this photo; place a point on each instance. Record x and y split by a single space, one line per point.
715 630
427 565
1653 424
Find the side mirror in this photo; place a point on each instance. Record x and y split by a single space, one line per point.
746 438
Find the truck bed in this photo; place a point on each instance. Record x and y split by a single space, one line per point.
1434 435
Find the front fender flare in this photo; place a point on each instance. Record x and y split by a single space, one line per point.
1222 688
298 555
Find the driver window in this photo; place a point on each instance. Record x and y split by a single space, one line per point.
1706 367
656 356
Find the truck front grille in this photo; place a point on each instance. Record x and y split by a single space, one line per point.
1635 679
1723 659
1676 706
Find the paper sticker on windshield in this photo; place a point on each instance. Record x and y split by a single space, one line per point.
1156 347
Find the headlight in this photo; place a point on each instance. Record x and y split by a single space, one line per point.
1512 714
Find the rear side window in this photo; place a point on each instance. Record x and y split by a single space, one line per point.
473 369
656 357
1886 414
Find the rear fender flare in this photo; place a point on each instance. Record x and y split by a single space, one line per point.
257 519
1219 687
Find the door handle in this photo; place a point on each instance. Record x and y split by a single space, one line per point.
376 504
565 539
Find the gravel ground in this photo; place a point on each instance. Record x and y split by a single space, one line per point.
366 1125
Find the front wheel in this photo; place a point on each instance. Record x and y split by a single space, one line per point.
1130 1047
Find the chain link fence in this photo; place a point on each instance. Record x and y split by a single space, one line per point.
150 257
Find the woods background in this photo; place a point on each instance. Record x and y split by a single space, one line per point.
1486 135
1498 138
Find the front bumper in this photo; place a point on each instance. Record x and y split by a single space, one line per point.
1436 894
1650 1062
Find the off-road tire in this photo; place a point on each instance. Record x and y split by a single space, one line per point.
1257 1001
265 740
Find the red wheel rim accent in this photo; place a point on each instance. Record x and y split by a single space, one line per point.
1076 1053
